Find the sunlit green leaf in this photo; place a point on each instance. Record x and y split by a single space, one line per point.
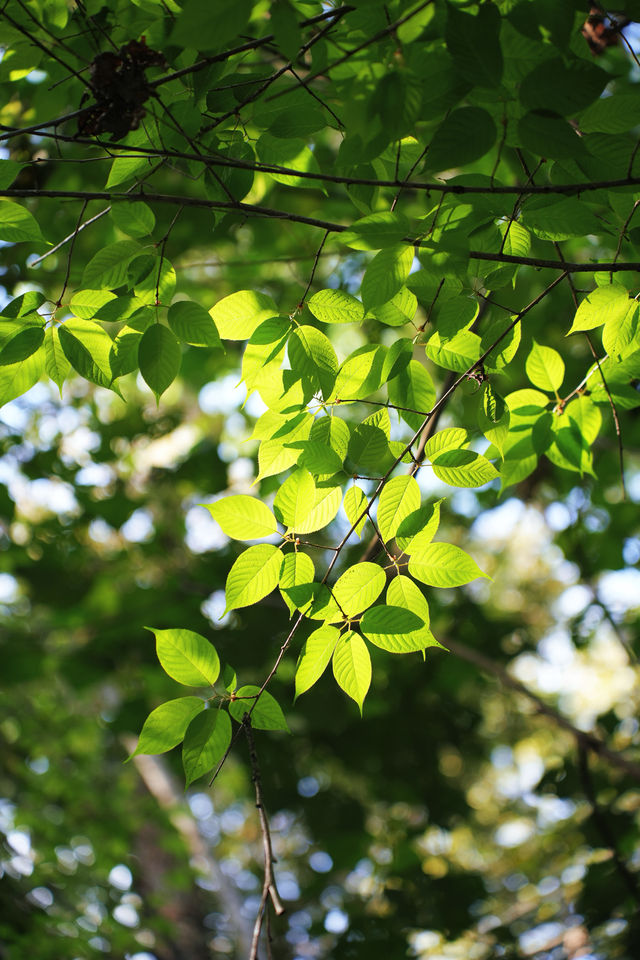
395 629
336 306
352 666
444 565
266 713
314 657
159 356
238 315
545 367
296 580
355 502
242 517
192 324
187 657
205 742
166 726
359 587
399 498
253 575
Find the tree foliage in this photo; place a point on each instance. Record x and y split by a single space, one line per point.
353 275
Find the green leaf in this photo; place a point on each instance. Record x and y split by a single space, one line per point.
195 30
312 356
545 367
56 364
474 43
400 497
360 374
253 576
333 433
294 154
567 87
403 592
266 715
17 224
494 418
9 170
205 743
444 565
154 282
620 334
419 528
23 343
274 457
17 378
187 657
375 231
359 587
27 303
613 114
192 324
549 135
87 347
295 498
602 305
464 135
243 517
326 504
352 666
126 168
238 315
395 629
412 388
463 468
264 355
451 438
355 502
369 443
336 306
314 657
109 267
385 275
553 219
317 458
396 100
159 357
506 336
166 726
398 358
296 580
134 218
458 353
323 606
400 310
86 303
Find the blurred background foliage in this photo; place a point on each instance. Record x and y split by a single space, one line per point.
456 819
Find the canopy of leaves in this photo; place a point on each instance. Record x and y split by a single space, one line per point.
319 352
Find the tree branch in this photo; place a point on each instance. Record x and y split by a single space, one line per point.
257 211
589 740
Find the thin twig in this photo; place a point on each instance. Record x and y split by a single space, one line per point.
37 43
313 269
245 47
444 187
73 241
590 740
269 213
163 244
269 888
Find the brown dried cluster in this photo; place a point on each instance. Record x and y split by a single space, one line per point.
120 88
